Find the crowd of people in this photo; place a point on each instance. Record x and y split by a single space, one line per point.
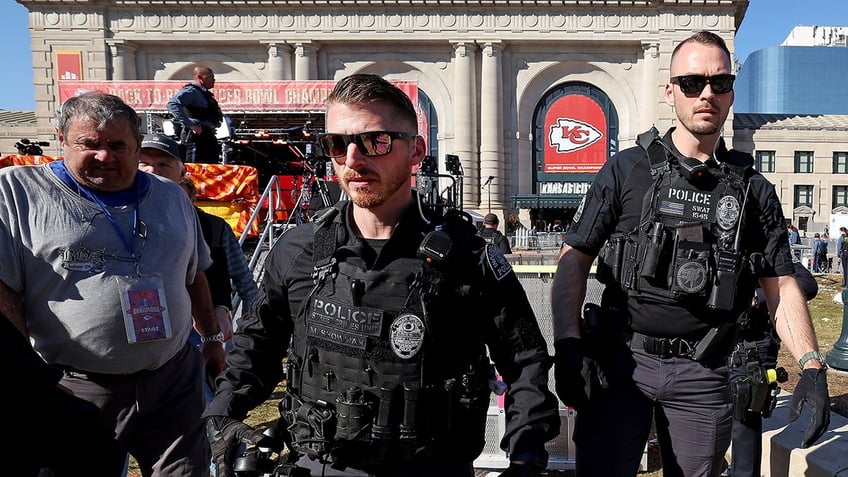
393 324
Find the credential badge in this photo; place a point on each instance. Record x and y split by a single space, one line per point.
406 335
728 212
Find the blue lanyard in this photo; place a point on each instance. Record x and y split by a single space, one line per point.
69 179
129 244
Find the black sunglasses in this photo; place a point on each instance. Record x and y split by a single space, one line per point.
371 144
694 84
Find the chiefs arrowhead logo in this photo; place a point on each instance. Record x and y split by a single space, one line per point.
569 135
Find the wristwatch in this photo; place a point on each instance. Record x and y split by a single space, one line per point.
217 337
816 355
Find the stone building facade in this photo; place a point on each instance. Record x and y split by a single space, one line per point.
806 158
485 69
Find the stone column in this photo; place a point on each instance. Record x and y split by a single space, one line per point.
123 60
652 87
305 64
464 128
279 61
491 128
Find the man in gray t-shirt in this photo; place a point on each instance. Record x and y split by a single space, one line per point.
102 269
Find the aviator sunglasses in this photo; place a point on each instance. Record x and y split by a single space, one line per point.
694 84
371 144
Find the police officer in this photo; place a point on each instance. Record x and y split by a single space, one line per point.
688 229
491 233
389 319
197 109
754 379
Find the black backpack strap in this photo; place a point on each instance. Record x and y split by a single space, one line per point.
650 142
326 227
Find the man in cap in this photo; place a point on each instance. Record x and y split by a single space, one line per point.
491 233
160 155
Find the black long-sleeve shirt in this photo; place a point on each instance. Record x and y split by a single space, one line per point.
497 309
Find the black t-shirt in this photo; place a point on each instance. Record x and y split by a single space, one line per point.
614 204
496 237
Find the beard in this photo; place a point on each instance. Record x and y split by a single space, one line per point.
703 127
375 193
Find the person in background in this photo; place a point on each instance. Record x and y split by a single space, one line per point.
794 236
160 155
383 377
658 216
842 253
101 270
513 224
756 353
491 233
195 107
819 252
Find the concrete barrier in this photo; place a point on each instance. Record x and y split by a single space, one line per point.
782 456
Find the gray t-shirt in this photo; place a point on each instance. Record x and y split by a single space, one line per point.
61 254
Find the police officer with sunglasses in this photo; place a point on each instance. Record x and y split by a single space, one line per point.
390 318
684 231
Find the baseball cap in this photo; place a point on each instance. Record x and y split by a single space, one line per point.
490 219
162 143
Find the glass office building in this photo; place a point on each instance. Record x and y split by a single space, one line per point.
793 80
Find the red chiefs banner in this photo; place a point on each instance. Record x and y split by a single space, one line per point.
244 96
69 65
576 142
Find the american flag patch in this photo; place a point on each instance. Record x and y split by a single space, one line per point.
671 208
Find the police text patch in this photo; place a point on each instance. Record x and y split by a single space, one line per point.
687 204
342 323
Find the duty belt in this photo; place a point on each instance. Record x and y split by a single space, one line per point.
663 347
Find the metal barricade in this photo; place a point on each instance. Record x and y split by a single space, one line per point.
536 281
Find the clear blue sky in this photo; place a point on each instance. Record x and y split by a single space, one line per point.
766 23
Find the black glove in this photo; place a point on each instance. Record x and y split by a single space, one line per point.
225 436
812 388
522 470
571 384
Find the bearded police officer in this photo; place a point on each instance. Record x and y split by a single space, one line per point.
685 230
389 311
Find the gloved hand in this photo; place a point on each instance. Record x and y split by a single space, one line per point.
522 470
226 436
812 388
568 372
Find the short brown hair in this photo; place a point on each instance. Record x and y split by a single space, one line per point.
705 38
366 88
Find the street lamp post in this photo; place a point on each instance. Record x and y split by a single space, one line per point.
488 186
837 357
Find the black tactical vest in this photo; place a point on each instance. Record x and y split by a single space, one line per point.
687 247
211 113
380 371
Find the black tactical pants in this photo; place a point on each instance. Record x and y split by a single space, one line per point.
689 400
202 148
